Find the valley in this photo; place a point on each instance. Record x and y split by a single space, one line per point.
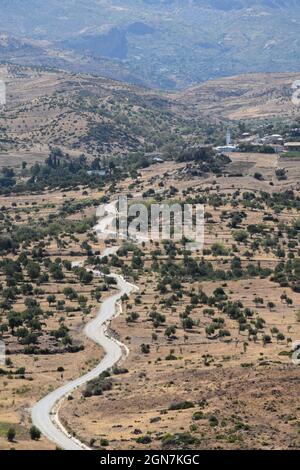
209 335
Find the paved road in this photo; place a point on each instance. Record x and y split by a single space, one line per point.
45 412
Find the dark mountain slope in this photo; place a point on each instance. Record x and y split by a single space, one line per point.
162 43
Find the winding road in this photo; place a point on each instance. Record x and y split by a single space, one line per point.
45 413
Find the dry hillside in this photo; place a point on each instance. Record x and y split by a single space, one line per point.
264 95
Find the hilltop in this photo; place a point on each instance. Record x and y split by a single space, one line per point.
81 114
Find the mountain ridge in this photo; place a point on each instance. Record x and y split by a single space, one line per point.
92 115
165 44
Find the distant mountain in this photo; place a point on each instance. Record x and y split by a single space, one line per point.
170 44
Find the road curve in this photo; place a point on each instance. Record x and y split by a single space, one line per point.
44 413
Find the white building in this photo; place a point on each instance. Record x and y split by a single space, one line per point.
229 147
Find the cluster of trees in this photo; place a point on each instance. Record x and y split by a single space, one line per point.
7 179
25 277
190 269
287 274
35 434
99 385
59 170
16 237
205 158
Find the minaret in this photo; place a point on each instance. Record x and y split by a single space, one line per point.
228 138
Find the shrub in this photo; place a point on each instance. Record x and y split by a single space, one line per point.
119 370
145 348
99 385
11 434
184 405
182 440
267 339
213 421
104 442
198 415
35 433
144 440
20 371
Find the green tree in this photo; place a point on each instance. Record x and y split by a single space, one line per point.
145 348
187 323
33 270
11 434
170 331
35 433
51 299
